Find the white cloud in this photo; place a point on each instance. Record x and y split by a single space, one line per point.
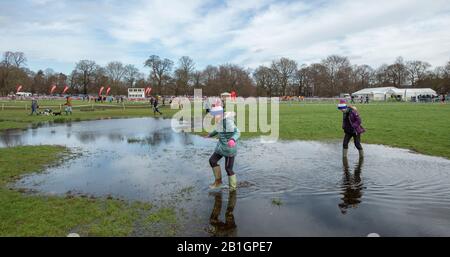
248 33
345 27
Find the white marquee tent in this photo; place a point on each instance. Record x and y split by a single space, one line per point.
384 93
375 93
408 93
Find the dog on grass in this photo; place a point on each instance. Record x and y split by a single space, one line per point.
46 112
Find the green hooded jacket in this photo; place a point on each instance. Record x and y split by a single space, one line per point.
226 130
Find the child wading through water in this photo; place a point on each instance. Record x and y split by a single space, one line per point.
351 124
228 134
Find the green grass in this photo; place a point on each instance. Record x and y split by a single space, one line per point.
37 215
420 127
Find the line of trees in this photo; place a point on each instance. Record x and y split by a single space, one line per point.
330 77
335 75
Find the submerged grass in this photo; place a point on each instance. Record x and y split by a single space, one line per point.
38 215
276 202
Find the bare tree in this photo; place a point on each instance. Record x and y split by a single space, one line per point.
159 70
397 72
285 71
338 72
197 79
131 74
86 69
382 77
11 62
265 80
447 68
16 59
38 84
115 71
209 79
363 76
183 74
100 78
417 70
305 81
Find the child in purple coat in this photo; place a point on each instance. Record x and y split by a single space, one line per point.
351 124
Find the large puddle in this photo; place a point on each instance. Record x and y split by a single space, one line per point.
289 188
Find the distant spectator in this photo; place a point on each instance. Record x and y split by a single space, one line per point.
68 105
155 107
34 106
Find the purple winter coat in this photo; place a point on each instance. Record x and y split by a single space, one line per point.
352 122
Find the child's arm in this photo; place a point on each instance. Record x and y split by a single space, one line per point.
213 133
236 134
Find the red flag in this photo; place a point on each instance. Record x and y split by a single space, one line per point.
233 95
148 90
19 87
101 90
65 89
107 90
52 88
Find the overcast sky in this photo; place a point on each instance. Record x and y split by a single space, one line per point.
58 33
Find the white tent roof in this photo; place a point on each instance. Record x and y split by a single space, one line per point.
395 91
374 90
413 91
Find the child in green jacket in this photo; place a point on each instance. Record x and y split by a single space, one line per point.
228 135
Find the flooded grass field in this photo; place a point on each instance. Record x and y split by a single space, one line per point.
288 188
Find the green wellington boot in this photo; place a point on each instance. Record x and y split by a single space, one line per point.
232 182
218 178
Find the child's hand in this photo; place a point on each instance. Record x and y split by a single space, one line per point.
231 143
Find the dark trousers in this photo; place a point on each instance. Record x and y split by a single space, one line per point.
156 110
356 139
229 162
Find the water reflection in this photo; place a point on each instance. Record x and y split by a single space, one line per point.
220 228
144 160
115 137
158 137
11 138
352 186
86 136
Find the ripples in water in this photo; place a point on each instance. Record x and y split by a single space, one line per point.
288 188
